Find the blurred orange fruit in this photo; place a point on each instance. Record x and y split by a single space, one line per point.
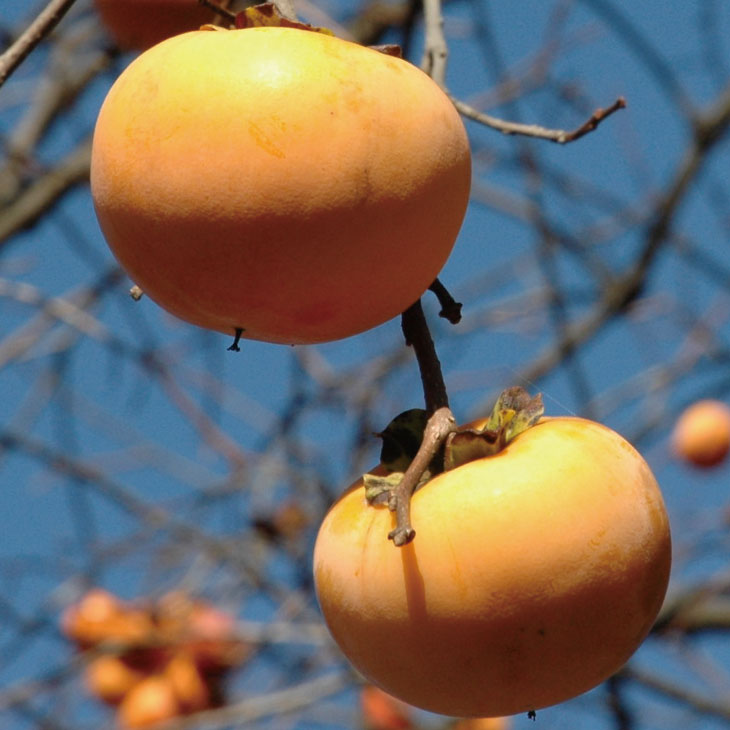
139 24
188 684
701 435
109 678
483 723
381 711
150 701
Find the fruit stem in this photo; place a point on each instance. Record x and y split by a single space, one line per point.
236 340
440 424
417 335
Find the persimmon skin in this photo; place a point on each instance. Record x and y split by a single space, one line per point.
140 24
701 436
296 185
534 575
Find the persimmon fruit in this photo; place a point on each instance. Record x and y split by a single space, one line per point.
149 702
280 182
100 616
139 24
701 435
110 678
534 574
188 683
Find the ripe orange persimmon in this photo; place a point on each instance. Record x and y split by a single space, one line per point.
534 574
110 678
151 701
279 181
139 24
701 435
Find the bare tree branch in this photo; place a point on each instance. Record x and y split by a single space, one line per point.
39 29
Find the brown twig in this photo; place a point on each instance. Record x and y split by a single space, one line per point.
436 52
34 200
417 335
450 308
559 136
41 27
440 424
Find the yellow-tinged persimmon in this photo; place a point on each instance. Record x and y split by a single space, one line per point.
149 702
279 181
701 435
110 678
139 24
534 574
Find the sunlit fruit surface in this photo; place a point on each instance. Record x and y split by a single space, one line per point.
533 576
285 182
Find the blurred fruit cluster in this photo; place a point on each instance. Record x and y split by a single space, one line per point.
154 661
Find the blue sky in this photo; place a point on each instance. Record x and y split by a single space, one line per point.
88 394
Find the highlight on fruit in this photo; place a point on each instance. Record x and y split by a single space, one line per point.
701 435
538 568
157 660
279 184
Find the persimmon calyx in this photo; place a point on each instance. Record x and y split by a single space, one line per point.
267 14
379 488
514 412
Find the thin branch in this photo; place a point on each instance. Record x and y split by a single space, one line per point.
38 197
680 692
32 36
559 136
435 52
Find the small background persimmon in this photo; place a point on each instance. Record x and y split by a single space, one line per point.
701 435
139 24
